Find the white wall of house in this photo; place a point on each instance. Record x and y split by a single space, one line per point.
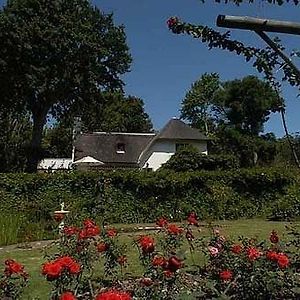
162 150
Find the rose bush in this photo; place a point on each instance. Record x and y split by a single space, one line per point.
243 269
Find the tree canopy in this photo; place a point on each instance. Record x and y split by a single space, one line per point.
244 104
55 54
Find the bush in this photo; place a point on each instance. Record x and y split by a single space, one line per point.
190 159
123 196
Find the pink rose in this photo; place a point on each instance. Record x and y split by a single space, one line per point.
213 251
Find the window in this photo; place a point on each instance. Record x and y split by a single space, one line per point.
180 146
120 148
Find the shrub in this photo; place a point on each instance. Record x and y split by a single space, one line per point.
124 196
190 159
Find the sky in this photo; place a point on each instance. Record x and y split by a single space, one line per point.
165 64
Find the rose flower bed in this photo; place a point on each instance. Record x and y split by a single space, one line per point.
247 269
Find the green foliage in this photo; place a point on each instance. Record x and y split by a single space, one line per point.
199 100
189 159
250 150
138 196
117 113
247 103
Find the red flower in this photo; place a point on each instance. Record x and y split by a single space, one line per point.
158 261
192 219
90 229
168 273
174 263
274 238
146 281
71 230
67 296
112 232
237 249
88 223
102 247
74 268
226 275
253 253
122 260
282 260
172 21
162 222
13 267
174 229
52 270
113 295
271 255
146 243
65 261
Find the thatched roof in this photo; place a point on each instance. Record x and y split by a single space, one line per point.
104 146
176 129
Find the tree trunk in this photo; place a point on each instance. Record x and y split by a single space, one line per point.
34 151
282 112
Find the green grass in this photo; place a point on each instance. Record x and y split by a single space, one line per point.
33 259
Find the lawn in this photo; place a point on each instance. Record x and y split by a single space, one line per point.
33 258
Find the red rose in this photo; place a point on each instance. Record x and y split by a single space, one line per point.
146 281
162 222
226 275
172 21
52 270
282 260
90 229
114 295
271 255
88 223
74 268
112 232
65 261
174 263
13 267
158 261
71 230
274 238
168 273
192 219
237 249
122 260
253 253
174 229
67 296
146 243
102 247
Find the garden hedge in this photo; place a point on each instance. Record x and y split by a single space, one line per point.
141 196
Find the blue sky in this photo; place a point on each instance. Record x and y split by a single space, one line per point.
165 65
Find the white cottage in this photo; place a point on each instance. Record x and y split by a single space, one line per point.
138 150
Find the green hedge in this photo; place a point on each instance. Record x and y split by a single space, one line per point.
140 196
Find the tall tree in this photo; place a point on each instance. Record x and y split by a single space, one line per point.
244 104
247 103
197 104
54 54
